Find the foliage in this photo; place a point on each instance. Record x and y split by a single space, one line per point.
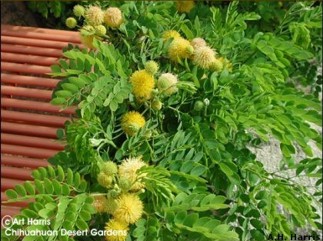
199 180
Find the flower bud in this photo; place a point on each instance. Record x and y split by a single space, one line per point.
151 67
124 184
198 105
100 30
105 180
78 10
156 105
71 22
109 168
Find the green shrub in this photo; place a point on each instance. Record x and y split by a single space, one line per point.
187 160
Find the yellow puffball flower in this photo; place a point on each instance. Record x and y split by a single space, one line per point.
94 15
167 84
130 208
198 42
113 17
131 122
128 170
180 49
170 34
100 203
184 6
204 57
142 85
116 230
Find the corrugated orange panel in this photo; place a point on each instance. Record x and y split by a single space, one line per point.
16 173
28 80
25 129
33 118
33 42
26 92
8 210
7 183
23 49
17 161
25 68
40 33
34 105
27 151
31 141
28 59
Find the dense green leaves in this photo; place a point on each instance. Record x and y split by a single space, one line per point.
201 181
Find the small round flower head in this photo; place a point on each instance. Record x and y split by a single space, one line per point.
167 84
116 230
109 168
130 208
198 105
204 57
110 205
71 22
226 64
156 105
124 184
170 34
100 30
198 42
113 17
184 6
180 49
131 122
217 65
128 170
78 10
87 41
142 85
151 67
104 180
100 203
94 15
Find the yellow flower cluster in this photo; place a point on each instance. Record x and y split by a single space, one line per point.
143 84
179 48
131 122
122 200
96 18
197 50
205 57
128 170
